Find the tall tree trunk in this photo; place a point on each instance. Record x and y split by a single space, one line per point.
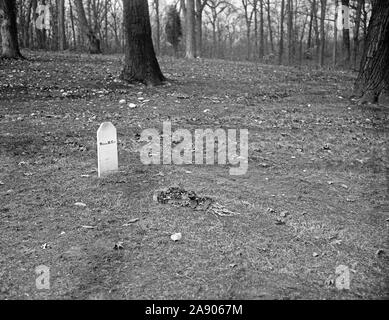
335 48
346 33
93 41
190 49
214 45
255 2
290 31
356 32
183 9
61 25
158 26
322 32
373 77
248 19
21 21
72 23
248 42
106 24
365 23
34 30
40 33
281 49
261 31
301 39
199 23
140 62
26 39
269 26
316 28
309 40
53 35
8 30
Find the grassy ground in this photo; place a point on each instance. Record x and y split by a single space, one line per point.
311 153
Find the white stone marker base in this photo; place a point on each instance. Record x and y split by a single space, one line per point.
107 151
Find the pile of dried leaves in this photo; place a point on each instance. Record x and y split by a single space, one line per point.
182 198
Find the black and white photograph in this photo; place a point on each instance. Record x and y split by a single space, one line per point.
209 151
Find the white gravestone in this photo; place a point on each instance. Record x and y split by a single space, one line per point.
107 151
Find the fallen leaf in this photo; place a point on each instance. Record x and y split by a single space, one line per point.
80 204
130 222
176 236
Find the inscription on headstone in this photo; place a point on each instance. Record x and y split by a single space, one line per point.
107 153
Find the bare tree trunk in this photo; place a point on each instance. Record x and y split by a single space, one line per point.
309 41
53 32
96 22
89 11
346 36
290 31
61 25
281 49
322 32
365 23
248 19
373 77
335 48
72 22
34 35
40 33
21 21
316 28
356 32
248 43
26 39
199 22
8 30
93 41
270 27
255 2
157 36
183 9
140 62
106 24
261 31
214 45
190 30
301 39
